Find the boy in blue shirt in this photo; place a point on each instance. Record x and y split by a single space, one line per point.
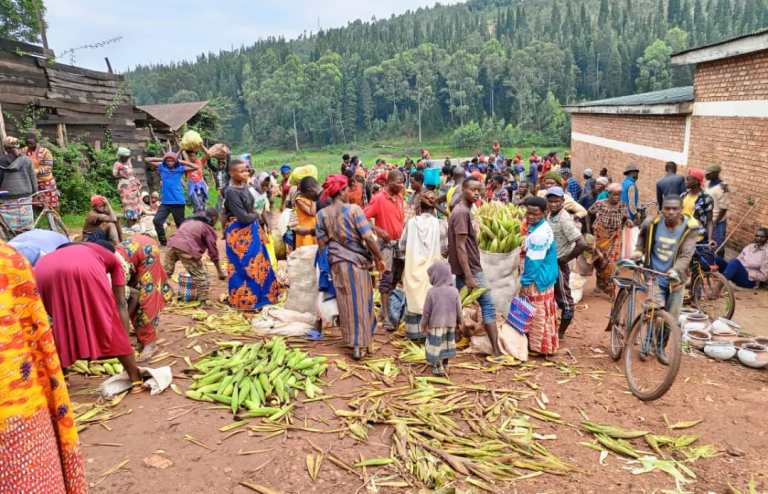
172 200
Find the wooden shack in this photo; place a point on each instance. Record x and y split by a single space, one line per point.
64 102
166 120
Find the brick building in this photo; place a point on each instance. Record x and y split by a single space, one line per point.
722 118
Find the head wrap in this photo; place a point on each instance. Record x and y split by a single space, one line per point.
169 154
381 178
602 180
613 187
123 152
98 201
333 185
697 173
554 176
477 175
714 169
588 173
10 142
285 168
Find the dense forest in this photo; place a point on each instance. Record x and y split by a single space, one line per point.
501 65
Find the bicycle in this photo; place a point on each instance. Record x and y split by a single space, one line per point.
653 347
51 215
622 311
707 280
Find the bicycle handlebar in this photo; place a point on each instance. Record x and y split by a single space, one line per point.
632 265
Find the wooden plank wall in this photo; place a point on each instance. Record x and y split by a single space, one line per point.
87 102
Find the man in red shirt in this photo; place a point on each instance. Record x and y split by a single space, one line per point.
386 209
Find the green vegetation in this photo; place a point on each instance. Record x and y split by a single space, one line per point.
328 159
504 63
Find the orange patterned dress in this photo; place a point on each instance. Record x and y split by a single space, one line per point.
252 283
39 451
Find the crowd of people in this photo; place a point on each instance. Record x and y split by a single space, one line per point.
408 231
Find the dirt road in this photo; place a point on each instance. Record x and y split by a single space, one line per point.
730 399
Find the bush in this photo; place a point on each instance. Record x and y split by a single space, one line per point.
468 136
81 172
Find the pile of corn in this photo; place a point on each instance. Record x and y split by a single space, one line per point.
108 367
445 431
260 378
499 227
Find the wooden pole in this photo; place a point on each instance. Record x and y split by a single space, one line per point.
2 124
109 65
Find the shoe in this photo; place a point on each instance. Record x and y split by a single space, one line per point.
463 343
314 335
662 356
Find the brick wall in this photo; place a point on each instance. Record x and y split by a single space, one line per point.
740 147
737 78
585 155
647 130
662 131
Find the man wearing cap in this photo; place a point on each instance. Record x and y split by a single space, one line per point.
671 184
569 244
571 184
718 190
630 196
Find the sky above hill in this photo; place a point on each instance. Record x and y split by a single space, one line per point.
162 31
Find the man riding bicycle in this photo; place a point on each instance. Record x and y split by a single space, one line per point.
667 244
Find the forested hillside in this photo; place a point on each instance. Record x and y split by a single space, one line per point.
504 64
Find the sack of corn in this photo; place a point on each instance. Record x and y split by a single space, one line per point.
302 280
499 240
219 151
191 141
301 172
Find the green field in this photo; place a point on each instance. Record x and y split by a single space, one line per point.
328 159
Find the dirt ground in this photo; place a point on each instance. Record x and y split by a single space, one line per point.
730 398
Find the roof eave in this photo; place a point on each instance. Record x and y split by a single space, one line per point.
684 108
727 49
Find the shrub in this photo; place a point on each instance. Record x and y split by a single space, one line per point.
468 136
80 172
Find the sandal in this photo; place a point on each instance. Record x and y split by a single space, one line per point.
437 370
137 387
314 335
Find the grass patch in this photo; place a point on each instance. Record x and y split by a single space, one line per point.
328 160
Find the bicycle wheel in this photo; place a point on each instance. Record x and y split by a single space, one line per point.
617 324
704 285
652 332
56 225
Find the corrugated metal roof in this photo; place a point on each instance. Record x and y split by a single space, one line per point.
174 115
664 97
727 40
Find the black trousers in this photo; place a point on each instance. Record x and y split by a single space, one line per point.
177 210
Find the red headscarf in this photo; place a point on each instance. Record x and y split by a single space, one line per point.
98 201
698 174
333 185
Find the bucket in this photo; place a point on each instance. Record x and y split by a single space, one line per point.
432 176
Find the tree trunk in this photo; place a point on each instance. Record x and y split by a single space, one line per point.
493 115
419 106
295 131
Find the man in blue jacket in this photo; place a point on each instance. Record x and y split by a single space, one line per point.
630 196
